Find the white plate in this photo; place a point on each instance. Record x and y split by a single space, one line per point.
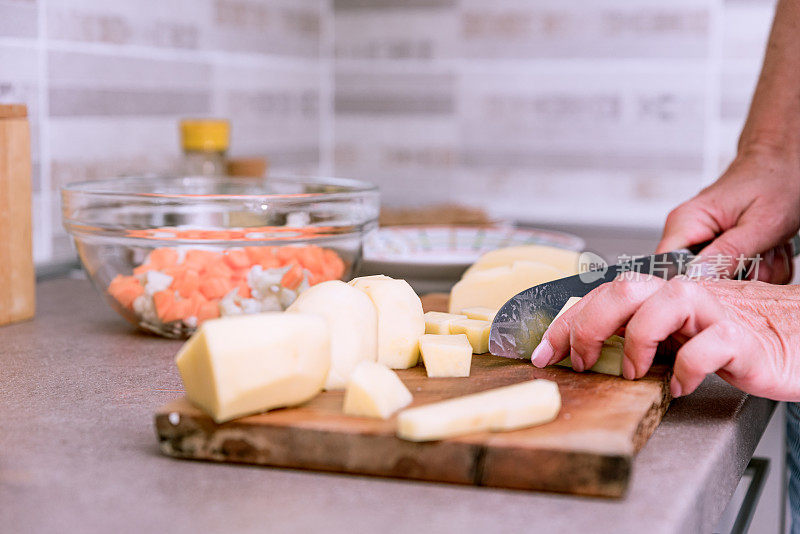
434 257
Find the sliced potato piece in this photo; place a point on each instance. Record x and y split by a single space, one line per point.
400 320
507 408
353 323
565 261
494 287
374 390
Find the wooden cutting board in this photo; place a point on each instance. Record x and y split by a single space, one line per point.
588 449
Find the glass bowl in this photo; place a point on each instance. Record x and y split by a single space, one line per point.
170 252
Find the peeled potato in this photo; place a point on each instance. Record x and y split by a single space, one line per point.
247 364
565 261
400 319
353 323
493 287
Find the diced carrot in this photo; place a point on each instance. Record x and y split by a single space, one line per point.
175 271
237 259
311 258
197 259
125 289
293 277
187 284
240 274
141 269
217 269
244 290
120 281
314 278
215 287
163 301
197 300
269 262
163 257
127 295
180 309
334 265
208 310
286 255
255 254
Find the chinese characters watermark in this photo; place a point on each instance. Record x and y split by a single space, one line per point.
710 267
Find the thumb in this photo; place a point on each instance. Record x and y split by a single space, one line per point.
686 225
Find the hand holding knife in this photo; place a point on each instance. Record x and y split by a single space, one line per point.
520 324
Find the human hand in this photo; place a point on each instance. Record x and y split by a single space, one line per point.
754 208
747 332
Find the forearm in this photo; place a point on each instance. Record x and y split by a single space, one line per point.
774 119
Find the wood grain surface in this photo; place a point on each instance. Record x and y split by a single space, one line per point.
17 278
588 449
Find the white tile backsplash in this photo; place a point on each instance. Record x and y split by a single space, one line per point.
603 111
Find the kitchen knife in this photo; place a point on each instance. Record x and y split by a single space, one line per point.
520 324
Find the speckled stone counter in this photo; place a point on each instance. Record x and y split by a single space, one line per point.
78 453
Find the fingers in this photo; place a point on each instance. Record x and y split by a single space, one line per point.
743 241
580 331
788 253
763 268
775 266
680 307
555 343
687 225
715 348
605 314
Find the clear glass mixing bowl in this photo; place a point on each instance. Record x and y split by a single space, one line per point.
171 252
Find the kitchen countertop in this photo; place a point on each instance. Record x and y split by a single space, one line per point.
78 452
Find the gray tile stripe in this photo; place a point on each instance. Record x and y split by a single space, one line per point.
635 160
344 5
394 104
68 102
18 20
298 156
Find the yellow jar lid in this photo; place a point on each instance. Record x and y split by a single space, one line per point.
213 135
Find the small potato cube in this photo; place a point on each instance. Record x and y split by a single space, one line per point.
480 313
374 390
446 355
476 331
439 322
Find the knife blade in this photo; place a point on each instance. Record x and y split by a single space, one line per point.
521 322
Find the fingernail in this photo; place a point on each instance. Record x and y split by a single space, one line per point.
543 354
628 370
577 361
675 387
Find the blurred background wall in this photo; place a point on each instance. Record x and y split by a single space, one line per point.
593 112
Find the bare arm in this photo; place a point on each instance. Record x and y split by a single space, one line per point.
774 118
754 207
